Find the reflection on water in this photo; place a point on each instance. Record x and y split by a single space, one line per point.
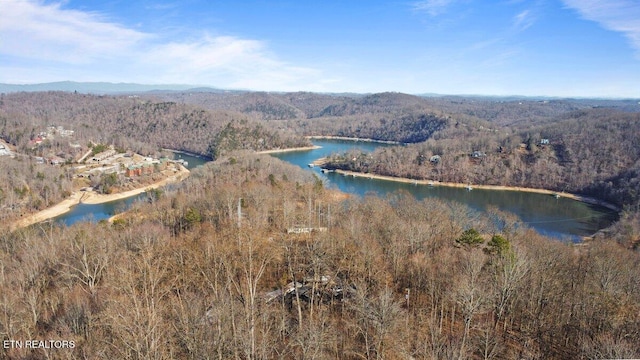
97 212
560 218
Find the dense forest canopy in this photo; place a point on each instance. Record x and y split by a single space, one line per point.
593 152
209 269
126 121
584 146
252 258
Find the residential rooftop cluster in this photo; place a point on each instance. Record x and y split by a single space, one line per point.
127 163
51 132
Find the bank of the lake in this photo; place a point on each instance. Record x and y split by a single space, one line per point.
56 210
277 151
93 198
576 197
345 138
190 154
562 218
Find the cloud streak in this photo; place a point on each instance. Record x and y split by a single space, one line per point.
80 44
239 63
432 7
523 20
47 32
617 15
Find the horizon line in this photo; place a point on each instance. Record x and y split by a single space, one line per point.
187 87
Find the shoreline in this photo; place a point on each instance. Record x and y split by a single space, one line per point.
346 138
302 148
581 198
92 198
58 209
187 153
95 198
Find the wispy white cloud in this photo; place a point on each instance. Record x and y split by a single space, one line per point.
239 63
485 43
432 7
162 6
616 15
34 30
59 44
523 20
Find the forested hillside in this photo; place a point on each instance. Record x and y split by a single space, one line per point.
523 112
27 184
252 258
585 146
187 277
128 122
300 105
593 152
386 116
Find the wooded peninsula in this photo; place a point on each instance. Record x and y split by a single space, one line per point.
253 258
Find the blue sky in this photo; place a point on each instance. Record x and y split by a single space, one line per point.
502 47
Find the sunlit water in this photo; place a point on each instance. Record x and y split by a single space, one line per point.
97 212
560 218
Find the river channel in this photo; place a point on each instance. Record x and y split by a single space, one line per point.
560 218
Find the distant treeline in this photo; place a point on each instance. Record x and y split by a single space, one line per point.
593 152
129 123
583 146
132 123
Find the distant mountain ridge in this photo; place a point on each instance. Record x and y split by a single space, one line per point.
101 87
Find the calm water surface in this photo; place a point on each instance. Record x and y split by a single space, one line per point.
97 212
560 218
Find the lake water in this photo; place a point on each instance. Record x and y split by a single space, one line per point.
560 218
97 212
